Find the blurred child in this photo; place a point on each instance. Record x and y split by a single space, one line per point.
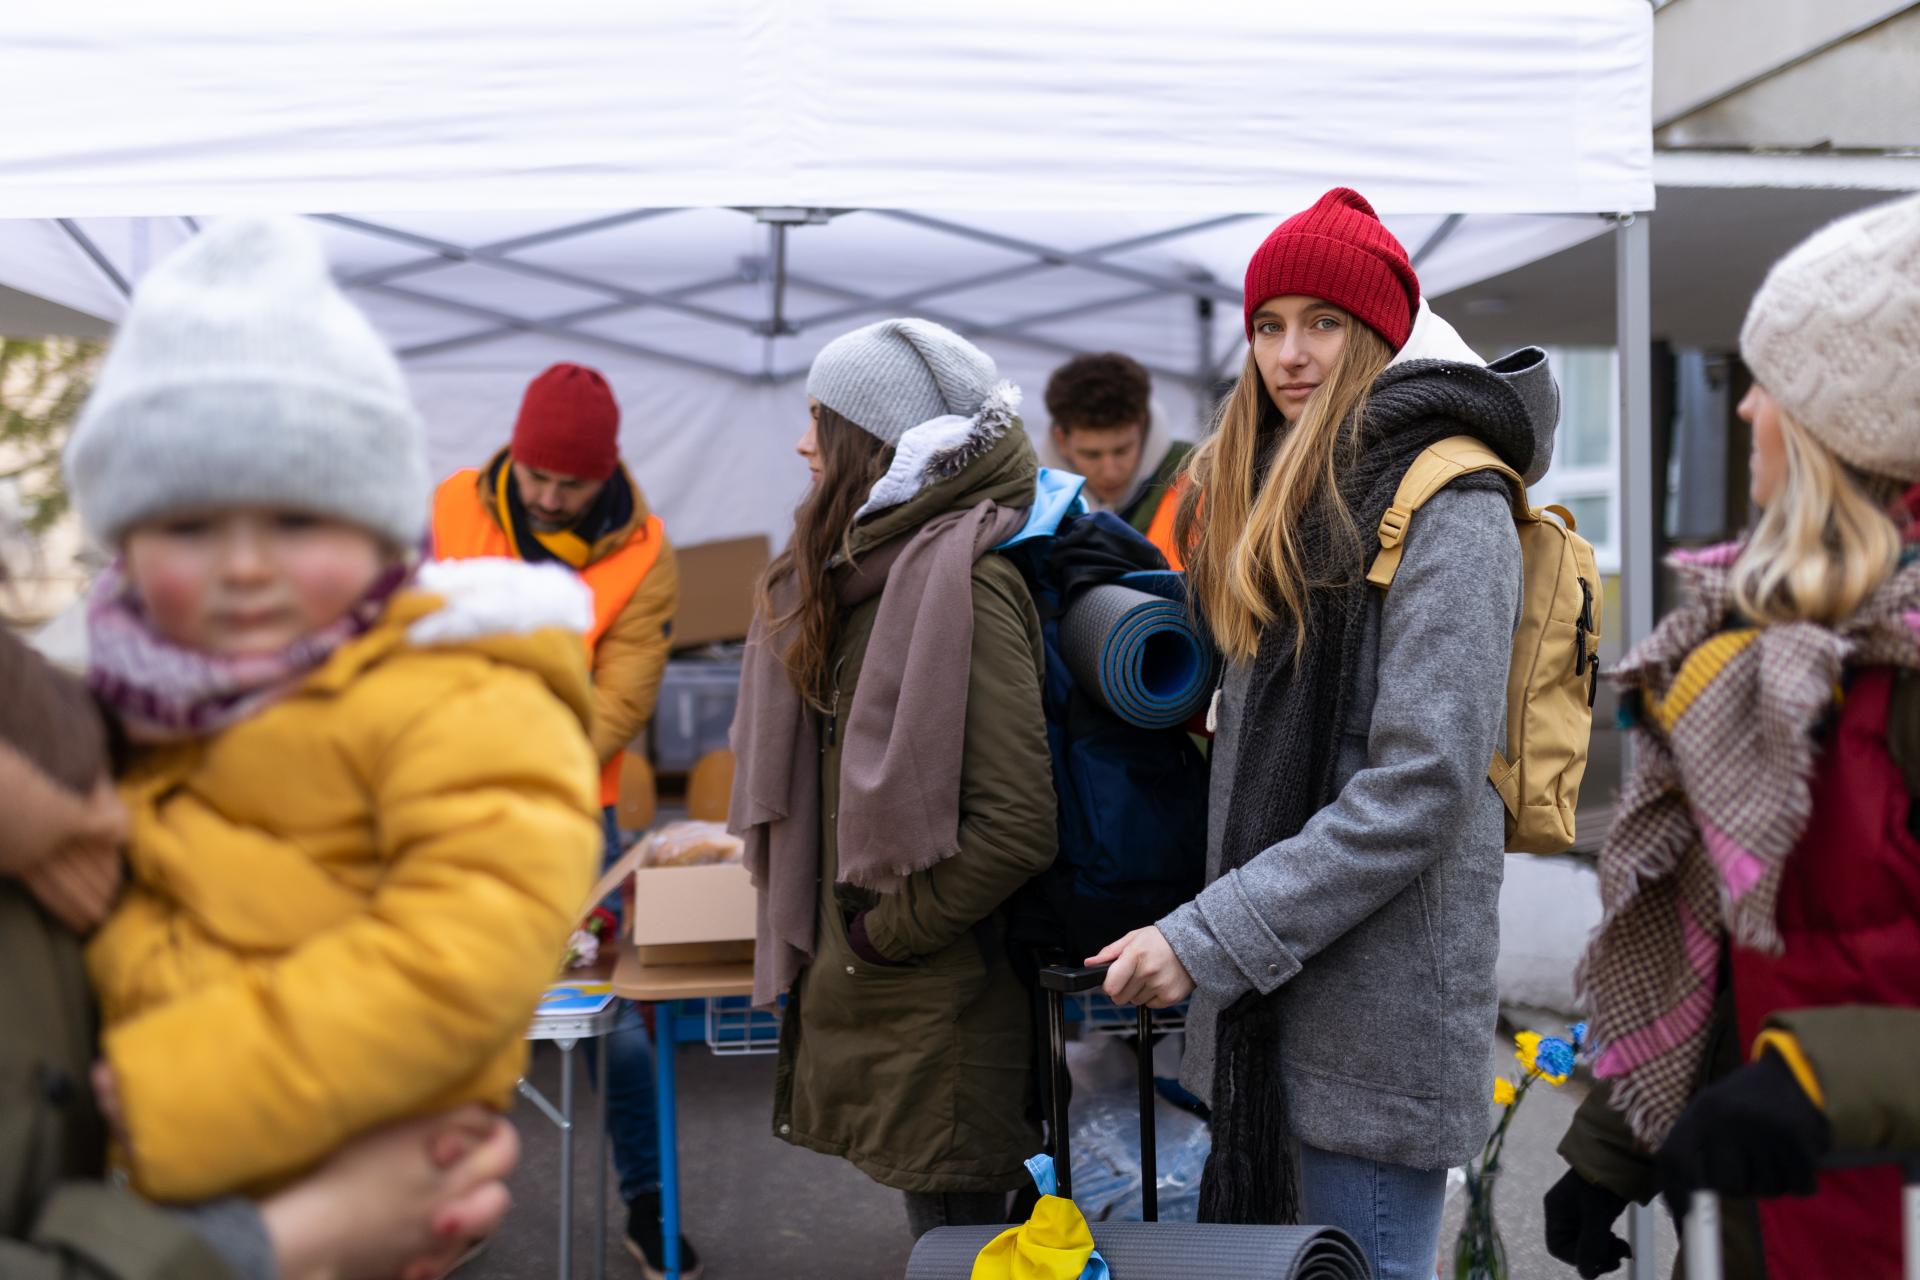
361 799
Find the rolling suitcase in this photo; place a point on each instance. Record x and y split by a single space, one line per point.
1149 1249
1700 1237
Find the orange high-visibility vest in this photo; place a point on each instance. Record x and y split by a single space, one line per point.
464 528
1160 532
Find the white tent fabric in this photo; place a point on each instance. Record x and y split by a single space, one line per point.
1017 170
1475 106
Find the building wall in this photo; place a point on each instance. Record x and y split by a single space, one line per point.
1787 74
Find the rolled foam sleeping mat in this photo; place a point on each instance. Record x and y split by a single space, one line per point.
1162 1250
1138 654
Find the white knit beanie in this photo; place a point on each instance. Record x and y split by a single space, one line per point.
1834 337
242 376
891 376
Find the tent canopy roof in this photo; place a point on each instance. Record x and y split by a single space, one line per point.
1478 106
697 196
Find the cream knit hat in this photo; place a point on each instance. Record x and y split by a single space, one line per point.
1834 336
242 376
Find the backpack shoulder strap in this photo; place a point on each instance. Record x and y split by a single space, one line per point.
1438 466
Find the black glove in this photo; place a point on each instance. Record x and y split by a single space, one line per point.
1580 1218
1754 1134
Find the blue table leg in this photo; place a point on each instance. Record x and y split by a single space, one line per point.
566 1159
664 1090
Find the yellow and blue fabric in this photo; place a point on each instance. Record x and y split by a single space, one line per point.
1054 1244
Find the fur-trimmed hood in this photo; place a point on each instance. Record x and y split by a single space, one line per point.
941 448
993 461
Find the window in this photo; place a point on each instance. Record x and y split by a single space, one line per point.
1585 476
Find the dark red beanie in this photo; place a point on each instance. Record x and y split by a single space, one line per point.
1338 251
569 424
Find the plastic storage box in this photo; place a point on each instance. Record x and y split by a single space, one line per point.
694 712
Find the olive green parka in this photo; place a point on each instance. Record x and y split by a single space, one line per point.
919 1070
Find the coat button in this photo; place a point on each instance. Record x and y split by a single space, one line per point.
1273 971
785 1129
57 1086
852 972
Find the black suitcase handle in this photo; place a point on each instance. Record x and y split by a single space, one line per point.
1060 981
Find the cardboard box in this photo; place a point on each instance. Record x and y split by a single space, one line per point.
716 589
679 913
684 953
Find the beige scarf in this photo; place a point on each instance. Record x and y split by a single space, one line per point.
899 803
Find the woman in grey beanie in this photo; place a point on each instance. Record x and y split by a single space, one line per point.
894 785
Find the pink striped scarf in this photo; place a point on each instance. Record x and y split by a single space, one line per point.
162 692
1725 741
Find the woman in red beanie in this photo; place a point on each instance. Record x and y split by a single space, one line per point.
1341 958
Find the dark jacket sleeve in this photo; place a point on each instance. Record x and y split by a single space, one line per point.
1007 831
1601 1148
1864 1057
92 1231
55 1223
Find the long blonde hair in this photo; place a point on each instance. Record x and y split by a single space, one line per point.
1240 535
1823 545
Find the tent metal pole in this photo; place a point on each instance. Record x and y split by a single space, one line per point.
530 325
99 259
1114 303
564 319
1641 509
973 328
1203 363
902 301
778 325
488 257
1440 236
1065 257
1641 504
440 259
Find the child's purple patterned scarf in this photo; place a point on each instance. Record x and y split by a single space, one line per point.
162 692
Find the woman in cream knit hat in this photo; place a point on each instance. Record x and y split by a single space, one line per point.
1762 878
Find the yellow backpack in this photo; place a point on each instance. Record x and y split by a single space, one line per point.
1555 671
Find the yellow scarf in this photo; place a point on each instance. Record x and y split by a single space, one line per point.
569 547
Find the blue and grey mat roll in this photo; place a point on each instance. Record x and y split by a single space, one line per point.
1156 1250
1133 647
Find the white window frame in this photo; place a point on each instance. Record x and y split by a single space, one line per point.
1594 480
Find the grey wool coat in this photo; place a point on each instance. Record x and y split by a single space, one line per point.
1379 922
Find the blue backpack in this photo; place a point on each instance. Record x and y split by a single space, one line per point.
1132 801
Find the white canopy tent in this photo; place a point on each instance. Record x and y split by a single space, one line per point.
695 197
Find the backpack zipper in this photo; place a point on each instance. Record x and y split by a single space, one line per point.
1582 659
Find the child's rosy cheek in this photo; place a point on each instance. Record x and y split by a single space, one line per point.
172 596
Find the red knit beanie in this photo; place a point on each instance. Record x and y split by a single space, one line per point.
569 424
1338 251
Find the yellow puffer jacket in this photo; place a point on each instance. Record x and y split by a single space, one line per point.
343 909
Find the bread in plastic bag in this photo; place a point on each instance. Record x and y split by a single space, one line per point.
692 844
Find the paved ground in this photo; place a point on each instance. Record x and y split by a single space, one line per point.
756 1206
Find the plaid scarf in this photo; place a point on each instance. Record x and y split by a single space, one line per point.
163 692
1726 724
